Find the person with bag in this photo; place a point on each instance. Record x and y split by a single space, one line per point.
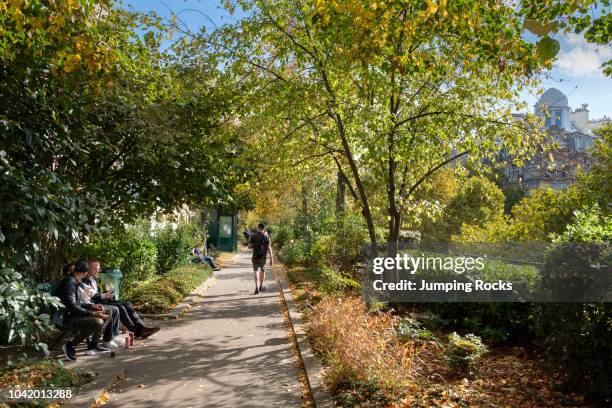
84 319
260 243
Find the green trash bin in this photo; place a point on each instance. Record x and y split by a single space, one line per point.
111 280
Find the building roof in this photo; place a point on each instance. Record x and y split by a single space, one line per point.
553 98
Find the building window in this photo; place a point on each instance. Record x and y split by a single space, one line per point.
557 118
548 122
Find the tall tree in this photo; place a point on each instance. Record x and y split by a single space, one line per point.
390 91
100 125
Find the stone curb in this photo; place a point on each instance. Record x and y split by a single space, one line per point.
313 368
180 309
90 391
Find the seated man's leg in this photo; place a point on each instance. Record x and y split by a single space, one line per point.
86 326
132 321
133 315
209 260
124 316
112 329
142 330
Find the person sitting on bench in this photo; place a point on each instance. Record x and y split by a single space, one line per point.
205 258
127 314
90 295
85 319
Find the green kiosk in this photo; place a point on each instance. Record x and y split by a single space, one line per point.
222 229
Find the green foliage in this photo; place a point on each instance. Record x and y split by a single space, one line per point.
409 329
462 351
499 323
330 280
126 249
589 226
475 202
296 252
24 310
545 213
343 247
175 247
140 262
478 201
101 126
162 294
282 235
577 335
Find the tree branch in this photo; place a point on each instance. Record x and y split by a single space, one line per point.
433 170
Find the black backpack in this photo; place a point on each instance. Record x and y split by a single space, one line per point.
260 244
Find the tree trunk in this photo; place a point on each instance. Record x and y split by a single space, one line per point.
363 197
340 197
393 246
304 200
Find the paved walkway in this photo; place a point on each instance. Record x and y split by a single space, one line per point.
231 350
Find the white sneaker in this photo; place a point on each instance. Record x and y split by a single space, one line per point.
96 351
119 341
110 344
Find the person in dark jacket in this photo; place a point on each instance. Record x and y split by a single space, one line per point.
127 314
85 319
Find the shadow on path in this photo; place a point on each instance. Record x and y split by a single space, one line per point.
231 350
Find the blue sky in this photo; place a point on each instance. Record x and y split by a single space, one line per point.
576 71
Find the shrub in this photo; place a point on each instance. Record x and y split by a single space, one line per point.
161 295
282 236
341 249
544 212
331 281
24 310
577 335
408 329
140 262
174 247
134 254
498 322
359 348
190 276
462 351
296 252
156 297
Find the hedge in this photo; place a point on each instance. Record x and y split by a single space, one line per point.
165 292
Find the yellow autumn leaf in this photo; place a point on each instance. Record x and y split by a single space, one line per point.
432 7
72 62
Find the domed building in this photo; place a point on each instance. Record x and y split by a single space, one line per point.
554 108
571 130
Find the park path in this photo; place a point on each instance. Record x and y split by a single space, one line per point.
230 350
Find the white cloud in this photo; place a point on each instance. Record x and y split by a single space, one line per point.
583 59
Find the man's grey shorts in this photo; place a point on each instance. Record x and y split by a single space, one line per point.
258 263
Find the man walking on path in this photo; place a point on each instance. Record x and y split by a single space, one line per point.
260 242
